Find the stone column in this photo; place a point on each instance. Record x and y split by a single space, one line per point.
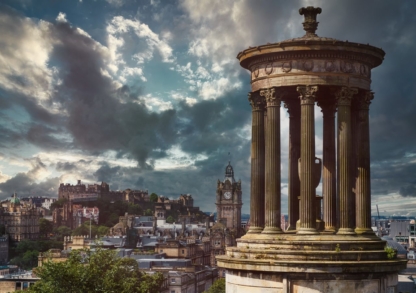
329 171
273 177
307 160
344 97
293 108
363 188
257 164
354 151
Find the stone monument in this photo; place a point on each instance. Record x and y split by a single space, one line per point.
338 252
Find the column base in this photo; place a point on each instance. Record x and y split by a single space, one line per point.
255 230
307 231
346 231
367 231
272 230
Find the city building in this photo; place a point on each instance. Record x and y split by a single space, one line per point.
229 203
80 193
21 219
4 249
82 214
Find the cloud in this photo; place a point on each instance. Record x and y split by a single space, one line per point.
35 182
61 17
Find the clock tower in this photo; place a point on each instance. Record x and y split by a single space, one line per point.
229 203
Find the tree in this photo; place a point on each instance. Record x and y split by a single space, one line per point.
170 219
101 271
45 227
154 197
217 287
148 212
61 232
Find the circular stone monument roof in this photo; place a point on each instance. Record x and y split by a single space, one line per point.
316 46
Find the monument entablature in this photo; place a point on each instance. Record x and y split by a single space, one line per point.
329 245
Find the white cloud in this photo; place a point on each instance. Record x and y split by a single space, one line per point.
61 17
24 57
120 33
157 104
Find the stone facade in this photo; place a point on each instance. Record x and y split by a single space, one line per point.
339 252
21 220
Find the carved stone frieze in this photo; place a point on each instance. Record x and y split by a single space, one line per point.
330 65
347 66
321 67
308 65
344 95
269 68
256 71
256 101
287 66
307 94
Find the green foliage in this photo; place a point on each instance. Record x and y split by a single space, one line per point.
217 287
170 219
45 227
61 232
110 210
154 197
148 212
337 248
58 204
101 271
391 252
96 230
25 254
134 209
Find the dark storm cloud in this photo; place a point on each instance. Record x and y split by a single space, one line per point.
97 119
408 191
106 173
67 166
26 183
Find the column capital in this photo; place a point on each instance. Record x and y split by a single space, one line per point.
273 96
256 101
307 94
344 95
364 100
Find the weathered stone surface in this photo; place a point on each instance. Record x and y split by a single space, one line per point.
347 256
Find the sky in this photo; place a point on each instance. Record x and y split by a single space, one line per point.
149 94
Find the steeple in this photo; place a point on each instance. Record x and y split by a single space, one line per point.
229 173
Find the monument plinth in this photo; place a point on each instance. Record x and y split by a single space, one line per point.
339 252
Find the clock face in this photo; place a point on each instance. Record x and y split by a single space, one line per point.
227 195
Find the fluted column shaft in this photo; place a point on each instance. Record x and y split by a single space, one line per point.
354 158
293 108
344 97
329 170
257 164
363 187
273 196
307 96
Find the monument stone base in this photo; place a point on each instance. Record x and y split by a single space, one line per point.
320 263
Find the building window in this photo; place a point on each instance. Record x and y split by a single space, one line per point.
161 250
173 280
183 251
